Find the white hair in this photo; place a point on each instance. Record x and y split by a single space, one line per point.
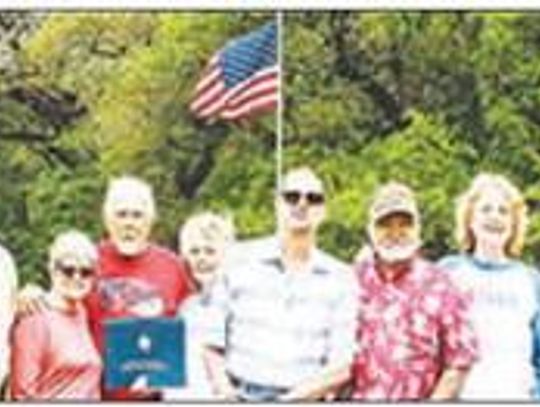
74 244
210 226
129 188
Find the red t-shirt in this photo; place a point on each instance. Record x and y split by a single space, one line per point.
148 285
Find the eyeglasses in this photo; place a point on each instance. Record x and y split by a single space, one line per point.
294 197
70 271
125 213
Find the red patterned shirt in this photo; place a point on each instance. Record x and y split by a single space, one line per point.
410 330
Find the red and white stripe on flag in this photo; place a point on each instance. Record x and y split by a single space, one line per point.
255 95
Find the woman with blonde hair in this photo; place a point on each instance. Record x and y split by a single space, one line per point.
491 225
204 240
53 355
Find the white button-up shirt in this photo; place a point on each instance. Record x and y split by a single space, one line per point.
279 328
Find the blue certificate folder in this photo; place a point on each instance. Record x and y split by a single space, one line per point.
151 347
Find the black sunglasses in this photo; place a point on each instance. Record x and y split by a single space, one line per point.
293 197
70 271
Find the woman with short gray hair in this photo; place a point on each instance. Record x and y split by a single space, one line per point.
53 355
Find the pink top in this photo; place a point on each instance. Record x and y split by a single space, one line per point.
411 330
54 357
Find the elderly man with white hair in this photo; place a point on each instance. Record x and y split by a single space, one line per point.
137 278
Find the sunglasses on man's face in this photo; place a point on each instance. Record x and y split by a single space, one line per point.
134 214
70 271
294 197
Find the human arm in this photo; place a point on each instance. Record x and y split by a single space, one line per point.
30 300
327 382
29 343
535 333
8 289
215 339
536 355
449 385
459 344
340 348
220 382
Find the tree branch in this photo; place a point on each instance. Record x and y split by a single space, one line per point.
353 64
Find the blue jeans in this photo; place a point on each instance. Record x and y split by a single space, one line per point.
249 391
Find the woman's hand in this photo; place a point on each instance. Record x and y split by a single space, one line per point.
30 300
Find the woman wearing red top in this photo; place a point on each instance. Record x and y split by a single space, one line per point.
53 354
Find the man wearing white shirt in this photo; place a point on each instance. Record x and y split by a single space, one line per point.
288 309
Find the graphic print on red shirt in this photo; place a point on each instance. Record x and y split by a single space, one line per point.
151 284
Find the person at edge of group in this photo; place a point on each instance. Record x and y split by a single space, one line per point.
415 336
204 241
53 355
491 225
8 293
136 277
287 308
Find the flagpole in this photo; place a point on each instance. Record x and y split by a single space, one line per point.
279 110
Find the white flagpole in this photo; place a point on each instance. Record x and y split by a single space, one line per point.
279 110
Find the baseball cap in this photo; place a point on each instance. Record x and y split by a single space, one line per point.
393 197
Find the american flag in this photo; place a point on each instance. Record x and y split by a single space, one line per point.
241 79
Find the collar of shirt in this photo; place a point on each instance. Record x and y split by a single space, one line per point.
274 255
485 264
412 273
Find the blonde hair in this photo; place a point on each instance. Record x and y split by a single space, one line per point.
518 209
129 187
74 244
210 225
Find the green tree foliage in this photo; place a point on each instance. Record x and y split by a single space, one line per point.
108 94
428 98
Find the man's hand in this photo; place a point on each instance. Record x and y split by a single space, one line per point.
140 388
449 385
222 387
321 387
226 392
30 300
140 383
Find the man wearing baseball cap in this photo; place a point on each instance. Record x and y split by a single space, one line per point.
414 337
